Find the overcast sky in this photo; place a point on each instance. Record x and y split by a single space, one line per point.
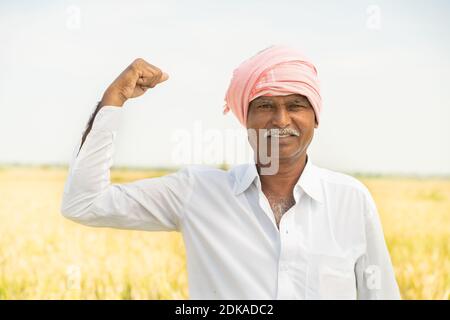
383 66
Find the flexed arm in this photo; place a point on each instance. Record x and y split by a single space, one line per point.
89 197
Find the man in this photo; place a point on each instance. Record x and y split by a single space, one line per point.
297 232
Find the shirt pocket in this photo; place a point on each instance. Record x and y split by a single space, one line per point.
331 277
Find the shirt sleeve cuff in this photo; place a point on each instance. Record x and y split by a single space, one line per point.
108 118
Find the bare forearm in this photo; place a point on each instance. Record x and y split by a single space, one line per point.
107 100
89 125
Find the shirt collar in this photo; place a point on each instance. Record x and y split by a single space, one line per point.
309 181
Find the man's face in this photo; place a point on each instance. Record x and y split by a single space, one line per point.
283 112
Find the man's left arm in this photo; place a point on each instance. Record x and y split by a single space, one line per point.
374 271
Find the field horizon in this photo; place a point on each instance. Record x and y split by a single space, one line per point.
45 256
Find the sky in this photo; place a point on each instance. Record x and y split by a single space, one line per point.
383 67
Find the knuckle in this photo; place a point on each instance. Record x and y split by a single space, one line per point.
158 73
137 63
133 67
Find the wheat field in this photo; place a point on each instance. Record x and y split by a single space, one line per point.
44 256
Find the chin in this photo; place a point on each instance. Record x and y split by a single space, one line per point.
289 154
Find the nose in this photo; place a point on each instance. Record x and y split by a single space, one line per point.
281 118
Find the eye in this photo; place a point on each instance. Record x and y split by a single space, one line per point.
297 106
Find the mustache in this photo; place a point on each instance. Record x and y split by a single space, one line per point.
281 132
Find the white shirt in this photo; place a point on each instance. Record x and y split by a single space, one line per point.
330 244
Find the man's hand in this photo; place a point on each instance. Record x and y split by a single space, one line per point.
133 82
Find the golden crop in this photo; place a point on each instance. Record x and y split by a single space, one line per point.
44 256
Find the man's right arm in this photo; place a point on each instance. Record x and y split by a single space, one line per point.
89 197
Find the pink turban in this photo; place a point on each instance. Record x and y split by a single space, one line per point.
276 70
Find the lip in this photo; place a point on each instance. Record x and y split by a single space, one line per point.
273 133
282 137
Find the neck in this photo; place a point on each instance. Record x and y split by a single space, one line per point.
283 182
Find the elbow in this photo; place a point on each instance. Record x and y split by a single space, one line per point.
73 210
78 203
65 208
81 210
66 213
75 215
69 211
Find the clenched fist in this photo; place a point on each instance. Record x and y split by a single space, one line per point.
133 82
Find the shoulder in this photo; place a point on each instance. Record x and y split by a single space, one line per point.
345 186
198 170
205 174
341 180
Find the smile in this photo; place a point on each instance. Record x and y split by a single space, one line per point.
281 133
280 136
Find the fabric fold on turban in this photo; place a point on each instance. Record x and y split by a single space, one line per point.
276 70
